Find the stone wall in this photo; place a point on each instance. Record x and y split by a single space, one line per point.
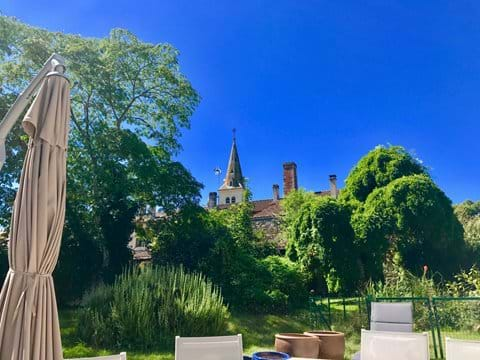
270 226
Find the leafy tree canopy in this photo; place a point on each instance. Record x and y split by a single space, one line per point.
321 238
468 213
130 102
376 169
412 214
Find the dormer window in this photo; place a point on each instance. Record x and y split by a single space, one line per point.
227 200
231 183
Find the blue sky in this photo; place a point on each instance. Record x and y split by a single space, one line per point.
315 82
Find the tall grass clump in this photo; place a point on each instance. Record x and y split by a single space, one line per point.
145 308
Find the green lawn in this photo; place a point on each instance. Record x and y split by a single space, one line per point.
258 333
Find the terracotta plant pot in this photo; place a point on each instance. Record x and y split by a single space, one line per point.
332 344
298 345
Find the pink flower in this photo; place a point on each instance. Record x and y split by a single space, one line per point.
425 269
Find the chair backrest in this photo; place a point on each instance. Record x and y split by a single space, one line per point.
392 316
462 349
382 345
209 348
121 356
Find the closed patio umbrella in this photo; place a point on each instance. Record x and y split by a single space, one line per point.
29 327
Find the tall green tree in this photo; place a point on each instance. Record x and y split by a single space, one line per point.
376 169
468 213
184 238
322 240
130 102
397 208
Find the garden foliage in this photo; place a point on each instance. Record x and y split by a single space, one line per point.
396 205
146 308
129 105
223 245
321 239
413 215
468 213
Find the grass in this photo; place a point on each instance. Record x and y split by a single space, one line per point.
258 333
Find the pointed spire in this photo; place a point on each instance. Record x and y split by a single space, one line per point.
233 177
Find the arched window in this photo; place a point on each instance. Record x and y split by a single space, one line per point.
233 199
227 200
231 183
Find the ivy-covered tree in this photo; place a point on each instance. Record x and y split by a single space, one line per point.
183 238
398 208
130 102
376 169
322 240
468 213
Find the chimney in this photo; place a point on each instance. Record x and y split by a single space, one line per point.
289 177
212 200
333 186
276 192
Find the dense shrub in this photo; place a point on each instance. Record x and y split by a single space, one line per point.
321 239
402 283
413 215
147 307
288 286
253 285
378 168
466 283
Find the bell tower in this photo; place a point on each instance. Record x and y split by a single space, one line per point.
231 191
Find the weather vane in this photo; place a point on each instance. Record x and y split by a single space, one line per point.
217 171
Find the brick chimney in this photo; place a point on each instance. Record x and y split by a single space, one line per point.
333 186
289 177
276 192
212 200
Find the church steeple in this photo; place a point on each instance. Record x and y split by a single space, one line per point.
232 188
233 177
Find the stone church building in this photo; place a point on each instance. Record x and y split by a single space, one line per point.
266 212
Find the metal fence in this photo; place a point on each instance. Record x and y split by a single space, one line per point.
325 311
455 317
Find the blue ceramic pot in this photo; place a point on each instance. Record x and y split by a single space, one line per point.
270 355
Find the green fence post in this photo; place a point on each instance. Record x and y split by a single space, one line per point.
311 313
439 335
432 326
329 311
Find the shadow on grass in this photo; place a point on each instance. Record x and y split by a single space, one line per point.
258 333
259 330
73 347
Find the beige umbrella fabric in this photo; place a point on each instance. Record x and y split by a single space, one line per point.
29 327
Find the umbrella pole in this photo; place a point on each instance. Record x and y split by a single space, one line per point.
55 63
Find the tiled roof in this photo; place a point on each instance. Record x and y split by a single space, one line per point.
268 208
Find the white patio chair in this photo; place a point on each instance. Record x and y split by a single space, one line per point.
462 349
121 356
209 348
390 316
382 345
